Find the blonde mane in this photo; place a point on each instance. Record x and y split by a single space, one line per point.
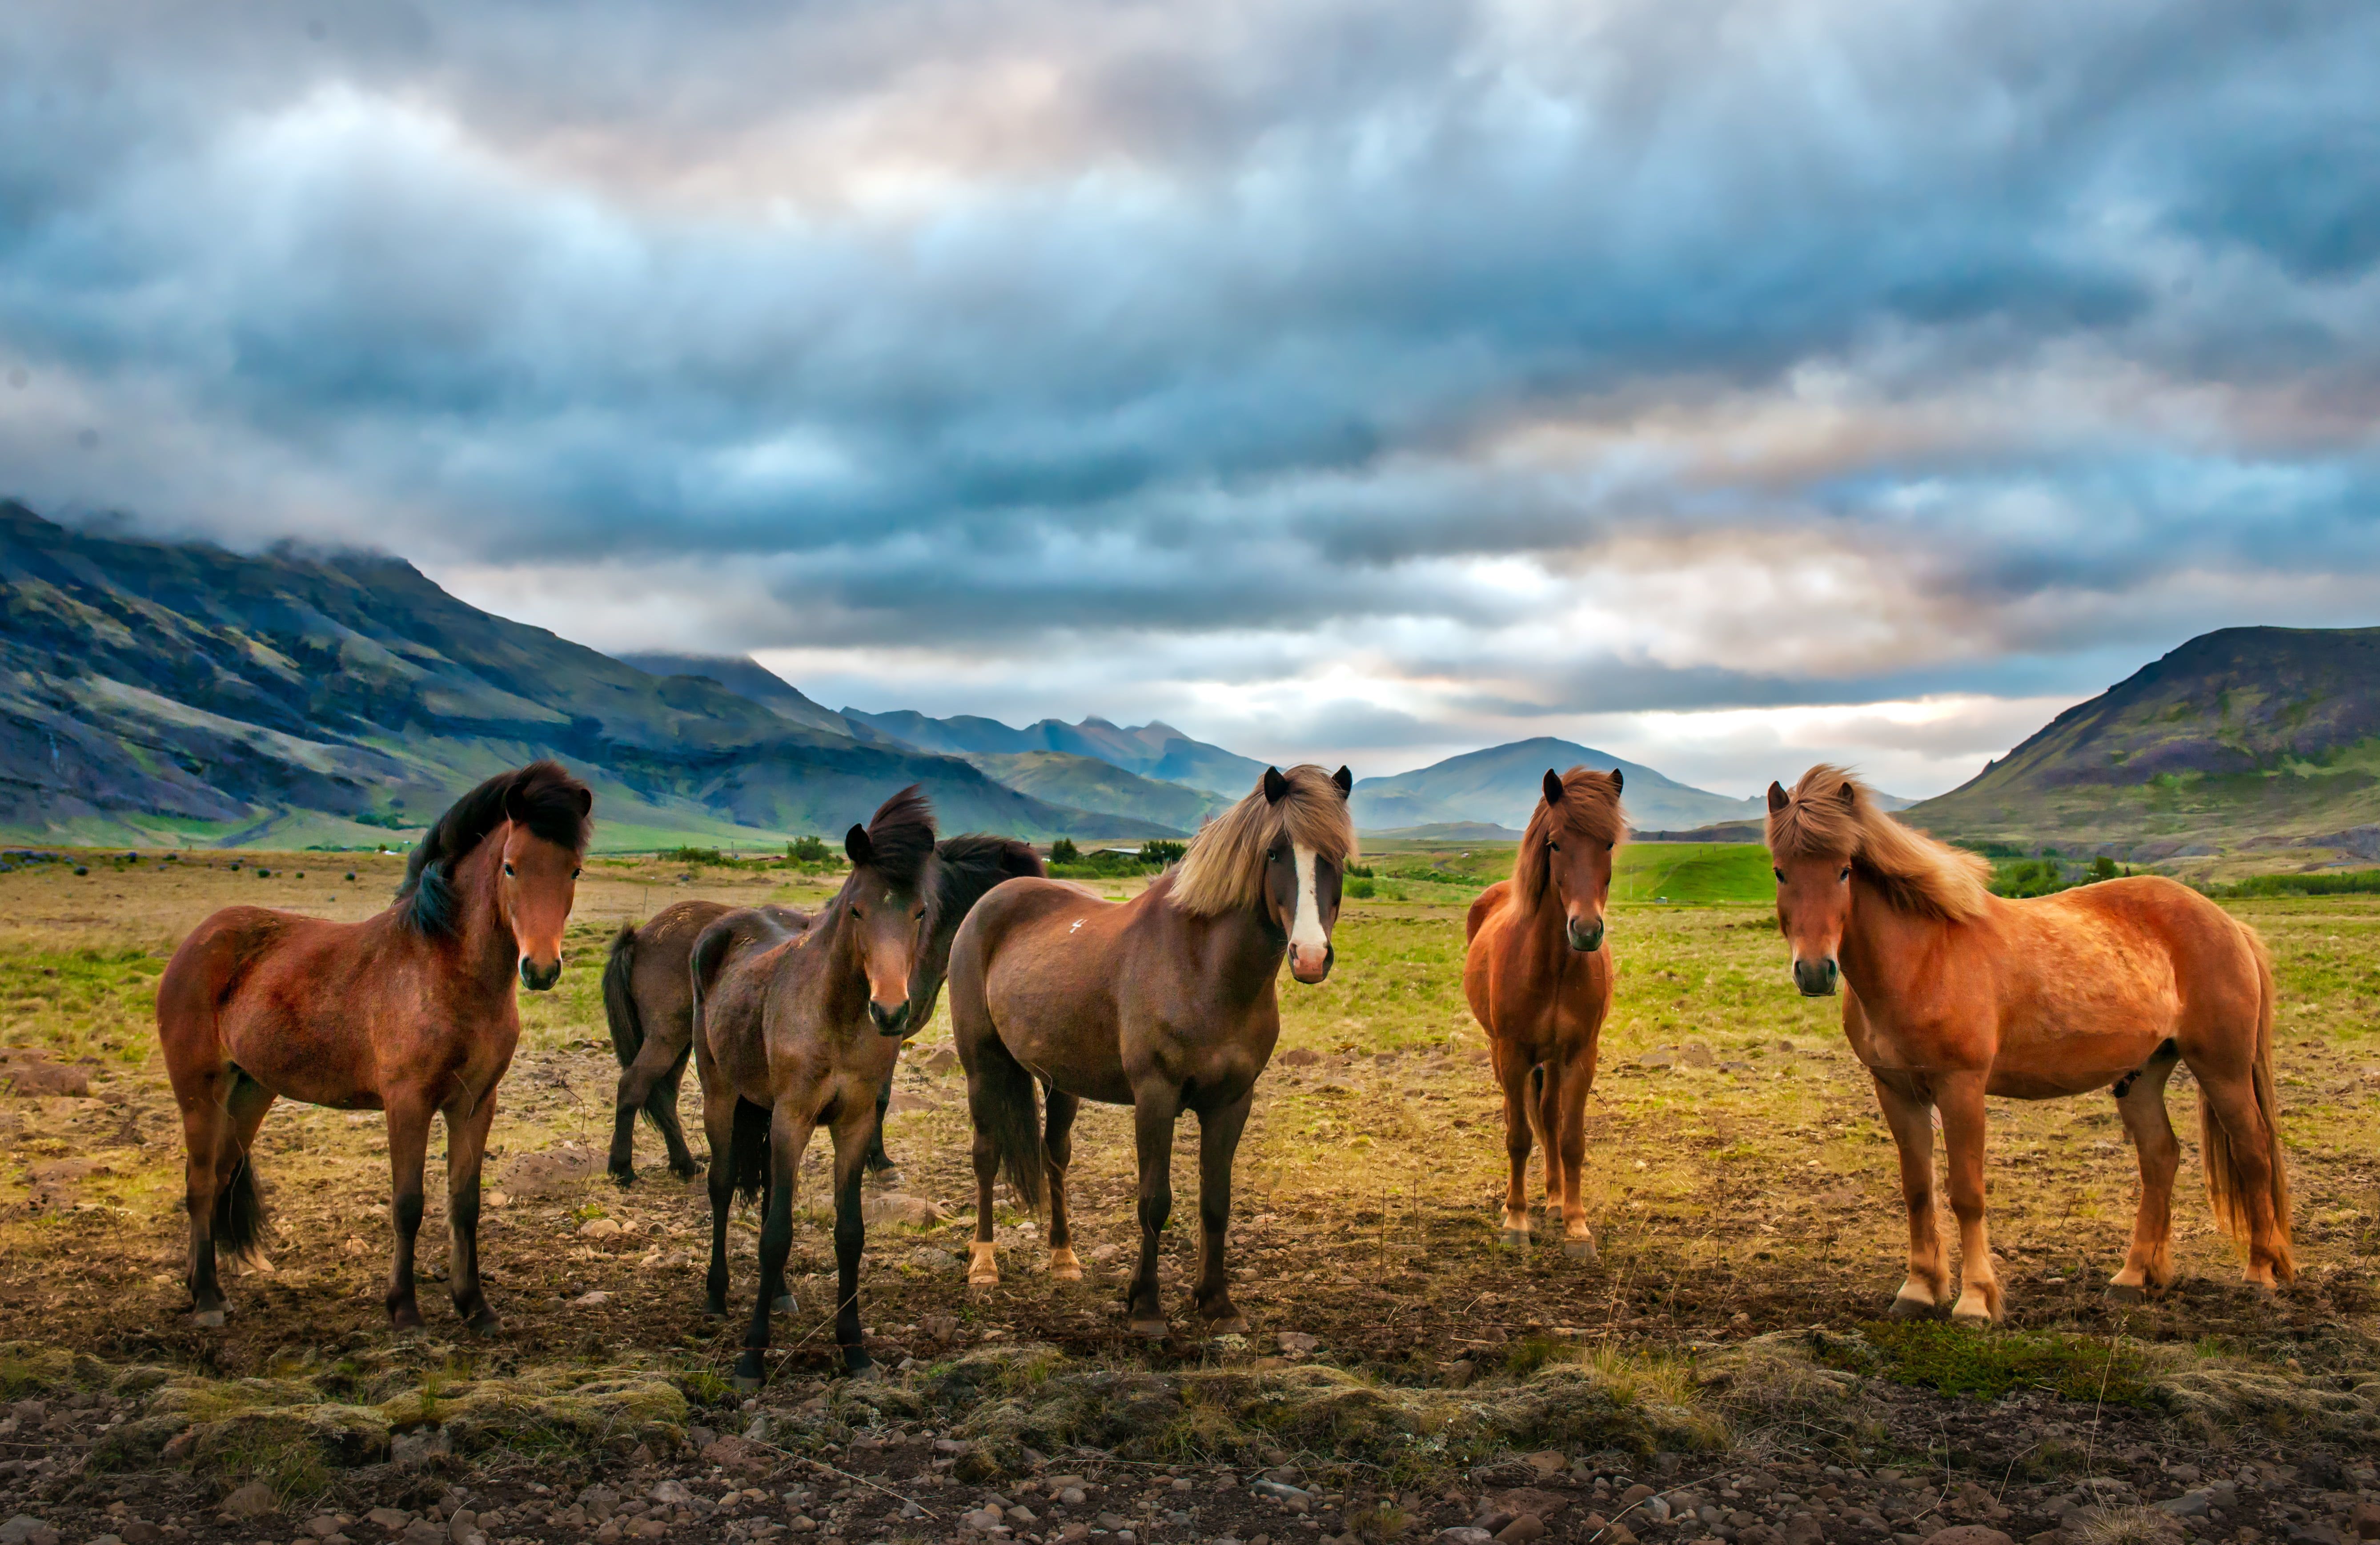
1225 866
1589 809
1831 814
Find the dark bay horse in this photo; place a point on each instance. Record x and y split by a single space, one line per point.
1955 993
1539 982
411 1012
648 993
1163 1002
795 1030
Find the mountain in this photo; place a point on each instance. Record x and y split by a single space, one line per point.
158 692
2243 743
754 682
1502 785
1088 784
1153 751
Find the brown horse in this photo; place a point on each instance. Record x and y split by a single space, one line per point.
411 1012
647 994
1539 982
1956 994
795 1029
1162 1003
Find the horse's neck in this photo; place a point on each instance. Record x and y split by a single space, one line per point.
488 948
1883 948
1245 951
831 976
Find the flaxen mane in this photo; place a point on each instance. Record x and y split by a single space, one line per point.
1832 814
1589 811
542 796
1225 866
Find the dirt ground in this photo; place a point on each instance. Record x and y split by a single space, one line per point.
1741 1188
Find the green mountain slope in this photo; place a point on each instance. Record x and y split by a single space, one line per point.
155 691
1090 784
2251 744
1153 751
1502 785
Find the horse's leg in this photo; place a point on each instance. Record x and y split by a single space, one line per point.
983 1261
1544 1118
1513 1074
1960 1097
466 1147
851 1133
1218 1143
1910 1116
206 1131
879 1164
663 1106
408 1145
2232 1097
719 1126
1565 1129
1154 1108
655 1065
788 1135
2140 1099
1058 1139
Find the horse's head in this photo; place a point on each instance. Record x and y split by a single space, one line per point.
1301 880
535 890
1814 885
1572 838
884 903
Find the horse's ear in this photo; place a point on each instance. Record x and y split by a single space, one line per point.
1777 798
857 847
1553 787
586 803
1850 796
1275 785
1616 779
1345 780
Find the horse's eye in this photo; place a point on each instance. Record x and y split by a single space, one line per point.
508 870
1780 874
1553 847
574 874
1846 874
855 911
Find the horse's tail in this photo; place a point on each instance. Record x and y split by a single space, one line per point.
748 1151
1006 1104
239 1211
620 997
2227 1187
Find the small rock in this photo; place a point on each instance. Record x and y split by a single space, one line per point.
22 1527
48 1077
609 1533
599 1228
106 1539
742 1456
1698 1055
1521 1530
251 1501
1280 1490
1803 1530
2189 1504
670 1493
1296 1342
1657 1059
899 1207
1547 1463
1966 1534
462 1525
392 1519
415 1447
139 1531
1023 1514
322 1526
594 1299
421 1531
1635 1494
1464 1534
984 1520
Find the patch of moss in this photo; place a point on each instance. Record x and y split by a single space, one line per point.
1961 1359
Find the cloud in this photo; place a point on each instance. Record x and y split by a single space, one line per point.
1407 375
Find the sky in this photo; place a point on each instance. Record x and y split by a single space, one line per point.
1725 385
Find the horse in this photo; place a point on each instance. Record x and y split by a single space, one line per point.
1162 1003
797 1029
1954 993
647 994
410 1011
1539 983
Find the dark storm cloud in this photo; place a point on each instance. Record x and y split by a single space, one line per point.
948 323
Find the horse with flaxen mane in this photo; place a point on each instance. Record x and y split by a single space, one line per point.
1539 983
1162 1003
795 1029
411 1012
647 994
1955 993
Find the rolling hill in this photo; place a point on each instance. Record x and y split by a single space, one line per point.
2250 743
1153 751
156 692
1501 783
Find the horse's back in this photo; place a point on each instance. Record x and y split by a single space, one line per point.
1038 963
2150 927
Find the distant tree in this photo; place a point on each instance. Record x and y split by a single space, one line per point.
808 850
1160 853
2103 868
1063 851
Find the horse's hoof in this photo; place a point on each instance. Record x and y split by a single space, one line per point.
746 1384
1518 1238
483 1323
208 1320
1967 1314
407 1319
784 1304
861 1369
2125 1293
1065 1265
889 1176
1579 1249
1154 1329
623 1179
1906 1307
1228 1325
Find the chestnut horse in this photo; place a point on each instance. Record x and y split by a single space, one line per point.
1955 993
793 1029
648 995
1162 1003
410 1011
1539 982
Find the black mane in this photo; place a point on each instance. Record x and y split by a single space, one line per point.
901 838
542 796
971 865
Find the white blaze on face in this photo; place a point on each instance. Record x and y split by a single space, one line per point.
1306 939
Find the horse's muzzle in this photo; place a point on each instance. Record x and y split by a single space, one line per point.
537 978
1817 978
1586 939
889 1020
1299 969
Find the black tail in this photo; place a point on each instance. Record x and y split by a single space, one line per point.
619 998
239 1211
748 1151
1006 1106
